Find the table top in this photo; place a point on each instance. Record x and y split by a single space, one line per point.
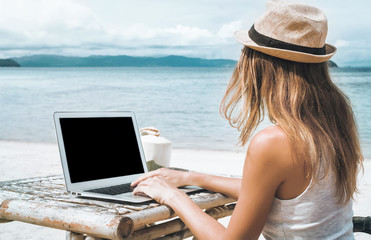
44 201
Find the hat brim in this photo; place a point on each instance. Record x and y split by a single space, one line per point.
243 37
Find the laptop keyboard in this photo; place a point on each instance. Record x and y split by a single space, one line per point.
113 190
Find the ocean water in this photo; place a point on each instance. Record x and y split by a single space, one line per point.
182 102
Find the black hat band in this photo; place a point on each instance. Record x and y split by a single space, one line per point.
266 41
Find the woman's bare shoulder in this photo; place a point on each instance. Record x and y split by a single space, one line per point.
272 144
270 137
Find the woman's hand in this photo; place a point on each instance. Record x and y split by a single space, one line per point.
172 177
156 187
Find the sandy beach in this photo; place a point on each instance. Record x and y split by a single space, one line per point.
24 160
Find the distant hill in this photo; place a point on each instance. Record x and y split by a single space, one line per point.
332 64
120 61
8 63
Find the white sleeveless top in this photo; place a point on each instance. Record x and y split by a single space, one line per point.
314 214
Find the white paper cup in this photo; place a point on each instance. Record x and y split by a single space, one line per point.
157 151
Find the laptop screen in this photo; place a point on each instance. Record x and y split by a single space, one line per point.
100 147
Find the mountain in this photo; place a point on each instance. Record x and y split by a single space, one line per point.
8 63
120 61
332 64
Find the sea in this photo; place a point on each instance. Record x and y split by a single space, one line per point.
183 103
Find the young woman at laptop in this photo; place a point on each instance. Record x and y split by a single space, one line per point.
299 175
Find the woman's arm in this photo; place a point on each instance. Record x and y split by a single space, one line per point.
160 190
228 186
265 170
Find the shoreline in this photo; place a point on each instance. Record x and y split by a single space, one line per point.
30 159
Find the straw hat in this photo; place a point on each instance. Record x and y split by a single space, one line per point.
290 31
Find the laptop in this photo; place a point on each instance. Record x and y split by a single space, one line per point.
101 154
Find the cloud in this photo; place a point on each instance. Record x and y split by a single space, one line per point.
226 31
341 43
42 14
172 36
353 53
192 28
67 27
26 24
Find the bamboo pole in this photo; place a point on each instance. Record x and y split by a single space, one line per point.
54 208
100 224
5 221
2 199
203 200
93 238
177 236
176 227
74 236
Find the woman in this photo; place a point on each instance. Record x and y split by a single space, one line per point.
299 175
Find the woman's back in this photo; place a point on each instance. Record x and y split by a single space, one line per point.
315 214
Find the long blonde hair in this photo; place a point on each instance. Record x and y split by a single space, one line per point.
301 98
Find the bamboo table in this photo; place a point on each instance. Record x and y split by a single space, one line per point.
44 201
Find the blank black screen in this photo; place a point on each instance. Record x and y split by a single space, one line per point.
99 148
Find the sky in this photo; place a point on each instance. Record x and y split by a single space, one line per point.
193 28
